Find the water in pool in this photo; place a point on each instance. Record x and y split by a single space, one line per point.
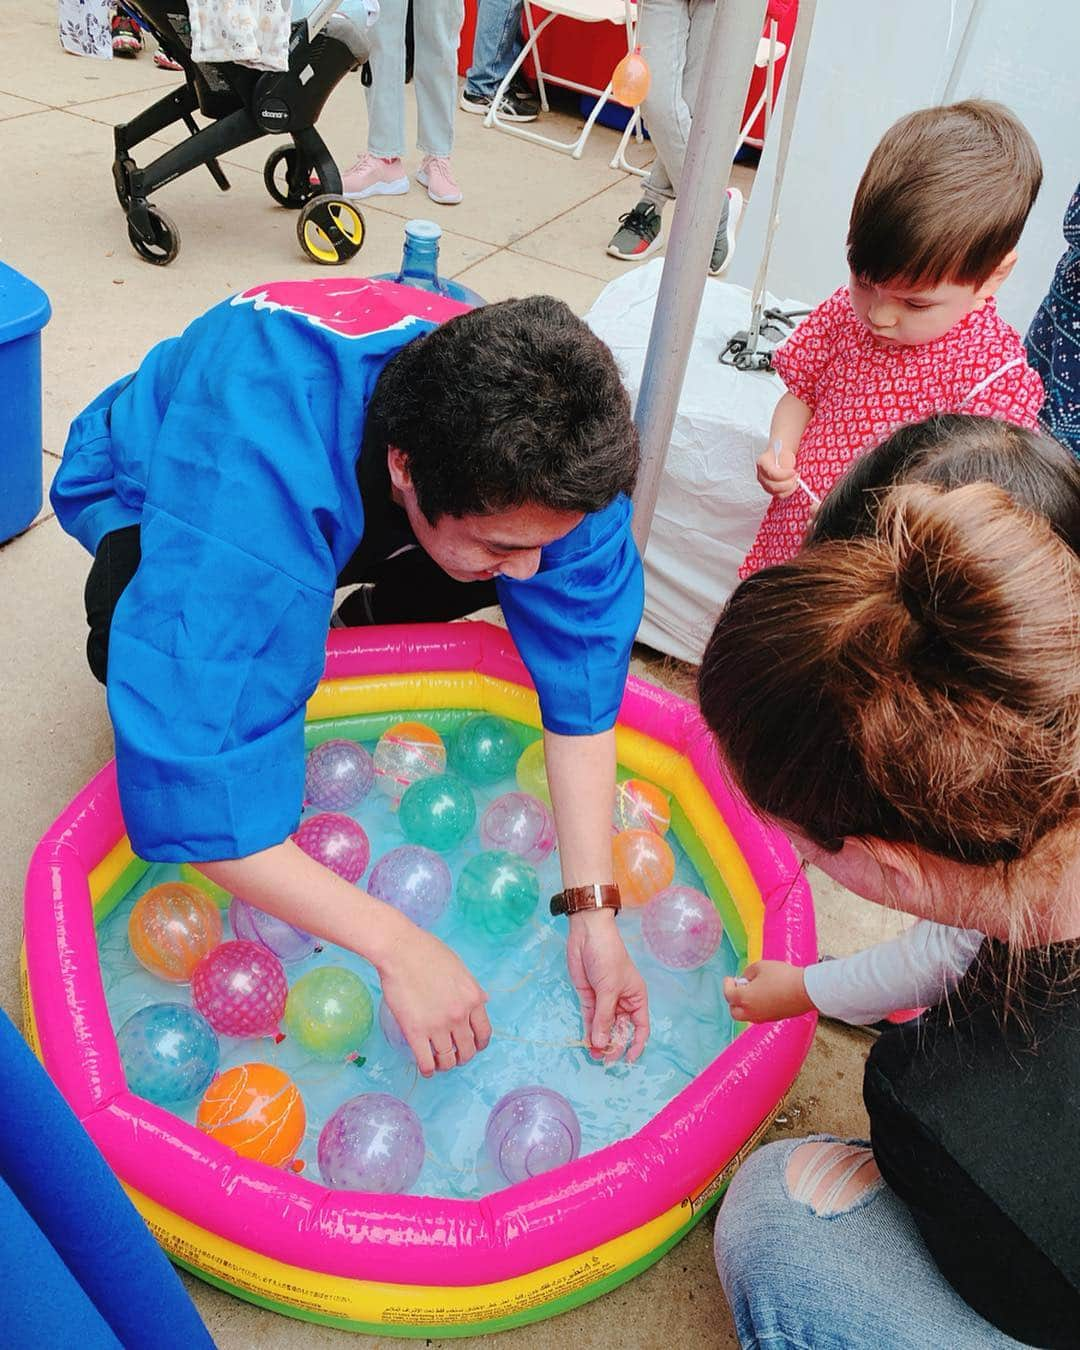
533 1009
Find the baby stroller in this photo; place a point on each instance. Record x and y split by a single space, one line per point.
242 105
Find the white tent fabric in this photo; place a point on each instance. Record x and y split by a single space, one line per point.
710 505
863 73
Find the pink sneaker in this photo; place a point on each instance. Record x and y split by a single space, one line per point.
374 177
434 174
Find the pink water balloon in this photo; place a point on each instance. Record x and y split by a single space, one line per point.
336 841
519 823
338 775
681 928
240 988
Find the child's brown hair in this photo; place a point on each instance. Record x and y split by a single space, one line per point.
944 196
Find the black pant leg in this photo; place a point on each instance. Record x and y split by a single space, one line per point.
412 588
113 567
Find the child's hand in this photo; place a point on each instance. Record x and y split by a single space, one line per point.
776 471
767 992
437 1003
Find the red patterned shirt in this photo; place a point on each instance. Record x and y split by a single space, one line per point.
860 389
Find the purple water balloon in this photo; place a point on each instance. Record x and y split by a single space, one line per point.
391 1029
373 1142
415 880
681 927
519 823
531 1130
255 925
336 841
338 775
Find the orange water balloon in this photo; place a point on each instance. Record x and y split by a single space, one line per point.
644 865
406 752
631 79
172 927
257 1110
640 805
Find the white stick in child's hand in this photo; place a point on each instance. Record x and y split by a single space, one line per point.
777 446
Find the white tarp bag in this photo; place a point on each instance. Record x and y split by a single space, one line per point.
710 504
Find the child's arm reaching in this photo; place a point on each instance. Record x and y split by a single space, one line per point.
914 970
776 470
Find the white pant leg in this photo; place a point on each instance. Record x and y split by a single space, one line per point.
663 30
386 95
436 27
702 13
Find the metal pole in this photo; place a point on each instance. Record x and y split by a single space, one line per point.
736 29
962 51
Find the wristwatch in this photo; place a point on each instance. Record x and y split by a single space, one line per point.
581 899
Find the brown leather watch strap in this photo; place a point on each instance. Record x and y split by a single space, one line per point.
581 899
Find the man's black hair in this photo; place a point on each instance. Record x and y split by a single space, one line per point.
511 403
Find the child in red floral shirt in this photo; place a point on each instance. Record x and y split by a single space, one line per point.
916 331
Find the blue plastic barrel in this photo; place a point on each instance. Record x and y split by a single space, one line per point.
24 312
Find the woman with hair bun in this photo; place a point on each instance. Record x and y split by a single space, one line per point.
903 698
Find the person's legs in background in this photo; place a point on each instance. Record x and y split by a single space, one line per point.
496 45
379 170
674 37
663 30
816 1253
436 28
127 37
702 13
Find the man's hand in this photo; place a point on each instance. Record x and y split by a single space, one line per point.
607 983
437 1003
767 992
776 471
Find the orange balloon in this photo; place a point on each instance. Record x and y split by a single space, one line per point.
171 929
640 805
631 79
644 865
257 1110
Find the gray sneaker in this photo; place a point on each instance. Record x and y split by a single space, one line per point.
638 234
724 246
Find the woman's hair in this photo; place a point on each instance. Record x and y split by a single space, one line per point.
510 403
950 450
920 685
944 196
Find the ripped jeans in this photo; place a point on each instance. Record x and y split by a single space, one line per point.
816 1253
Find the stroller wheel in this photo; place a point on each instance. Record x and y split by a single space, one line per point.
286 177
164 242
330 230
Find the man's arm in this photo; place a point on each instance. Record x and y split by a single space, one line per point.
431 993
581 777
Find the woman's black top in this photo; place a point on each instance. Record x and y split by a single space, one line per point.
975 1124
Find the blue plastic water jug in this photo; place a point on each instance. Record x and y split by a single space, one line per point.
24 312
420 264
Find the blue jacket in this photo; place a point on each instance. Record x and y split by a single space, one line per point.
234 449
1053 340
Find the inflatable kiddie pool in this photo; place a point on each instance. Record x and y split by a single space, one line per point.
420 1265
